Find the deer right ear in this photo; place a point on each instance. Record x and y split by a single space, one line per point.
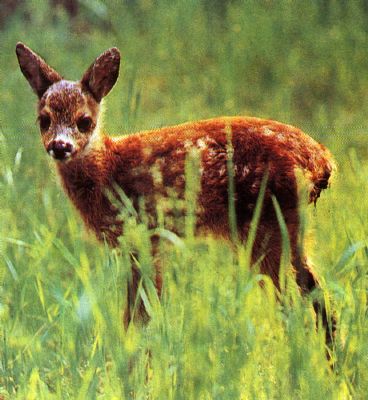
101 76
39 75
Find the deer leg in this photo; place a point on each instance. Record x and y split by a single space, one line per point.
307 282
135 308
305 276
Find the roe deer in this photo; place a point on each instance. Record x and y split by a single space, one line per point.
91 163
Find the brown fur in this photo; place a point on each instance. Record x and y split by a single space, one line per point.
259 146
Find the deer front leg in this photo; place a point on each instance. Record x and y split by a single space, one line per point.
135 309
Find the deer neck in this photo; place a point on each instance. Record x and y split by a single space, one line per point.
86 175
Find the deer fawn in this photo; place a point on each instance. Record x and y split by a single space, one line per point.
91 163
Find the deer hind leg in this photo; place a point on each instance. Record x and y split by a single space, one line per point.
307 282
305 276
268 245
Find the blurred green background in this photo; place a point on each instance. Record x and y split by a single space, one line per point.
61 294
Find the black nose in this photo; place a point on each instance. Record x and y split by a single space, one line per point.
59 149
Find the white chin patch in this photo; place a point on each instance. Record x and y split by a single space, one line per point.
66 156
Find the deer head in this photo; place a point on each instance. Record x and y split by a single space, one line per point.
68 112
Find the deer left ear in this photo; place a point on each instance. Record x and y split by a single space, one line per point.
101 76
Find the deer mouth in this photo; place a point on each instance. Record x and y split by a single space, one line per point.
60 150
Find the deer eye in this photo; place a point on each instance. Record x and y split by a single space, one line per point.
45 122
84 124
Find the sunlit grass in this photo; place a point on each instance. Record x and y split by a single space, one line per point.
216 332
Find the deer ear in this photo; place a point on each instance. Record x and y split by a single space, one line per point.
39 75
101 76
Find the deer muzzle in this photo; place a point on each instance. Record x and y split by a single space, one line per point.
60 149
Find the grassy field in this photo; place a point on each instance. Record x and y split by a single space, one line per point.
216 334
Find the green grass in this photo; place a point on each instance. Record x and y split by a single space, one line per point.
216 334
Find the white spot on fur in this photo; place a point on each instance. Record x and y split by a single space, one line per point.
210 140
245 171
267 131
201 144
222 171
188 144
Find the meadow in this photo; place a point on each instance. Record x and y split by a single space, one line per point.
215 334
